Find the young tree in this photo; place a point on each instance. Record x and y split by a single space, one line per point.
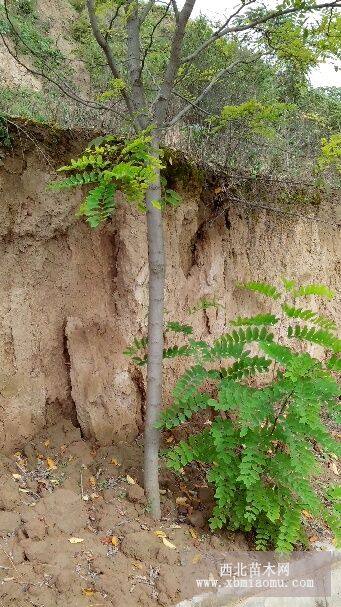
148 83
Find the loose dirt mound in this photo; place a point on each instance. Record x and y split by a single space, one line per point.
76 531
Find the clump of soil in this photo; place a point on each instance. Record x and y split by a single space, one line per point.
75 530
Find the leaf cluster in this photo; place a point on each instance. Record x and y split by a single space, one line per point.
114 165
270 403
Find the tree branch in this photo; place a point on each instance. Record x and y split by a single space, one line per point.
225 29
176 10
112 20
134 63
146 10
151 39
208 88
103 43
161 102
191 103
62 86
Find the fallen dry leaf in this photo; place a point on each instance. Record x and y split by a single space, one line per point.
137 565
168 543
76 540
313 538
115 462
88 592
94 496
63 448
307 514
170 439
51 464
115 541
106 540
196 558
193 533
181 501
17 477
130 480
47 443
92 481
24 490
160 533
334 468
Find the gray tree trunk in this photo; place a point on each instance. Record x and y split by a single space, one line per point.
156 263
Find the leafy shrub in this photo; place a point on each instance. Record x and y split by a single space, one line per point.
113 165
270 402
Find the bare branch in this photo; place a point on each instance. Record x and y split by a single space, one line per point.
161 102
191 104
134 63
146 10
209 87
100 39
103 43
151 39
62 86
112 20
225 29
176 10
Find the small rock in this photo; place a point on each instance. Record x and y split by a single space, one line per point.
9 522
135 494
197 519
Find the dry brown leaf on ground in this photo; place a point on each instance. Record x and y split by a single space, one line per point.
88 592
115 462
181 501
130 480
334 468
168 543
76 540
51 464
159 533
106 540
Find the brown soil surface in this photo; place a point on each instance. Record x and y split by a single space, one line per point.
75 529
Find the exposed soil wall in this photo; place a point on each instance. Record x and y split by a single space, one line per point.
72 298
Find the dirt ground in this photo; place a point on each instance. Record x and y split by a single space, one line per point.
75 529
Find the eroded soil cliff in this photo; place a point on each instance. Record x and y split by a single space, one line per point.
72 298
